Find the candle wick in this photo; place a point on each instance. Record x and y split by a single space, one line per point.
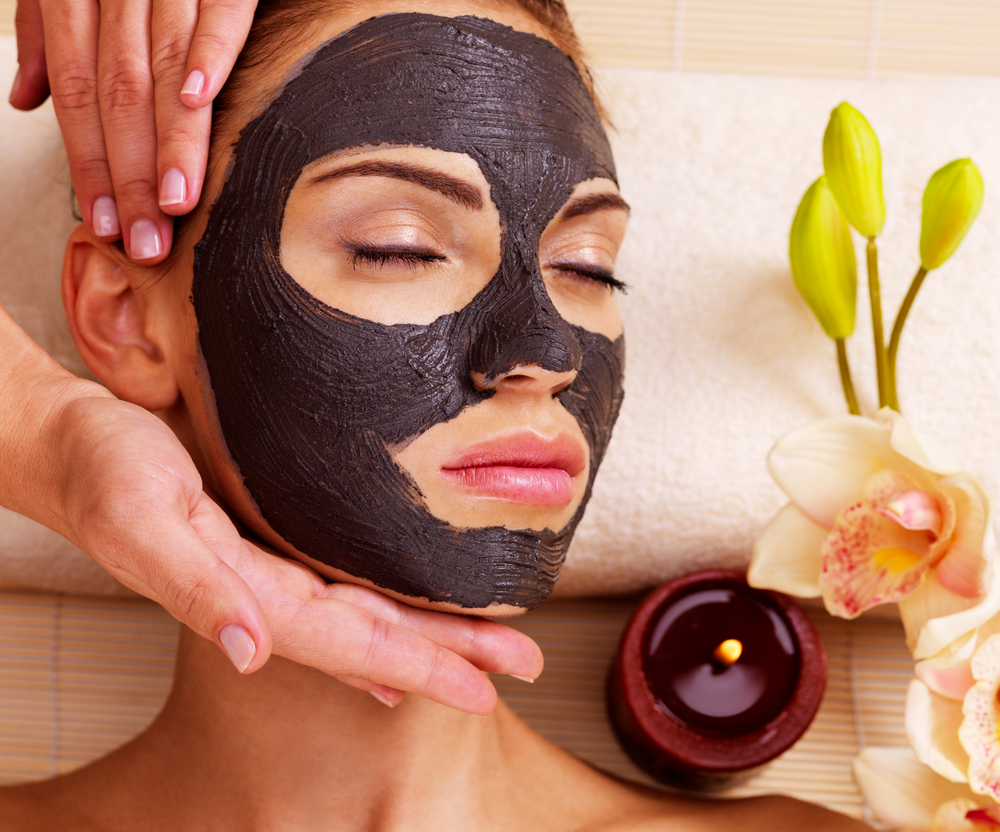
727 653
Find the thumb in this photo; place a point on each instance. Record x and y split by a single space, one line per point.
191 568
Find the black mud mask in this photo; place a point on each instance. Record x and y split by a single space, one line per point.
310 400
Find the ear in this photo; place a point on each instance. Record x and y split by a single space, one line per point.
110 324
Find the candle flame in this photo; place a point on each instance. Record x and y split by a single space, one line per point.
728 653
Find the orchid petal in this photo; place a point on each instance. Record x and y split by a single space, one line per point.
951 680
899 789
786 556
869 559
932 724
961 570
980 730
915 510
952 816
990 815
923 451
934 617
824 466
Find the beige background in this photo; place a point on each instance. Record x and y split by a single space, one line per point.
859 39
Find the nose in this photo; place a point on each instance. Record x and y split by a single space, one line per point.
525 342
525 378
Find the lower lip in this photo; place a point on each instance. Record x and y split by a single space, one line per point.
531 486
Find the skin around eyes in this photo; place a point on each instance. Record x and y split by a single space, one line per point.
386 249
395 251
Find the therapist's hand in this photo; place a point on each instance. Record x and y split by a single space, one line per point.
114 479
131 81
131 497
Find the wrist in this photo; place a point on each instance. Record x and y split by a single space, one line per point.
35 391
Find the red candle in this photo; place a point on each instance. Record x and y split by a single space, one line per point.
713 679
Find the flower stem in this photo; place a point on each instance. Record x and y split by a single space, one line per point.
845 377
875 293
897 331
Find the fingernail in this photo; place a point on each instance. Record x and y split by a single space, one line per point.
105 217
385 700
527 679
144 241
236 641
173 188
16 88
194 83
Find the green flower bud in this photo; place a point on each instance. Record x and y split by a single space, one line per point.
951 203
822 255
852 161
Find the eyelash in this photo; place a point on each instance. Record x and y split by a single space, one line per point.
594 274
381 257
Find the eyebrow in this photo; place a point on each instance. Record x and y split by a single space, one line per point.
454 189
592 203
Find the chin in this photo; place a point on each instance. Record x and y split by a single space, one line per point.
495 610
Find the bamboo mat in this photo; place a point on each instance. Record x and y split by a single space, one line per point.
816 38
80 676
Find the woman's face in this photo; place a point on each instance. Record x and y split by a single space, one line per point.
406 314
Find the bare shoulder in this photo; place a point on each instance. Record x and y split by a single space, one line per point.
40 807
646 810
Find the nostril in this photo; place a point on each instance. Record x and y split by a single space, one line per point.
527 377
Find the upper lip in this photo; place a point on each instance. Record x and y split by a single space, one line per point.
523 450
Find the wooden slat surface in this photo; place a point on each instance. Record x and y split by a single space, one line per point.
811 38
80 676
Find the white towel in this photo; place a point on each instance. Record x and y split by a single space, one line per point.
723 356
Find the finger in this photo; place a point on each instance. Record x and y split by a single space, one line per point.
182 134
347 641
222 30
71 35
390 697
31 84
125 87
179 559
488 645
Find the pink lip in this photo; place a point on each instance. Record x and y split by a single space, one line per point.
527 469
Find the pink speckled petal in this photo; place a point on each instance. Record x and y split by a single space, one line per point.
869 559
932 724
787 555
980 731
824 466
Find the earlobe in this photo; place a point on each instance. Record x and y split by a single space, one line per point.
109 322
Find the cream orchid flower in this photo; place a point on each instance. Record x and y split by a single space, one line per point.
953 714
878 515
949 781
903 793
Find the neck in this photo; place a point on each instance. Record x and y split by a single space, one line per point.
290 746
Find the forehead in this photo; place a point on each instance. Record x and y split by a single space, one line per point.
465 84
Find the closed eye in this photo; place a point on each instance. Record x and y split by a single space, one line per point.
380 257
593 273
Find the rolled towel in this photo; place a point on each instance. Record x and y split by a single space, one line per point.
723 355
